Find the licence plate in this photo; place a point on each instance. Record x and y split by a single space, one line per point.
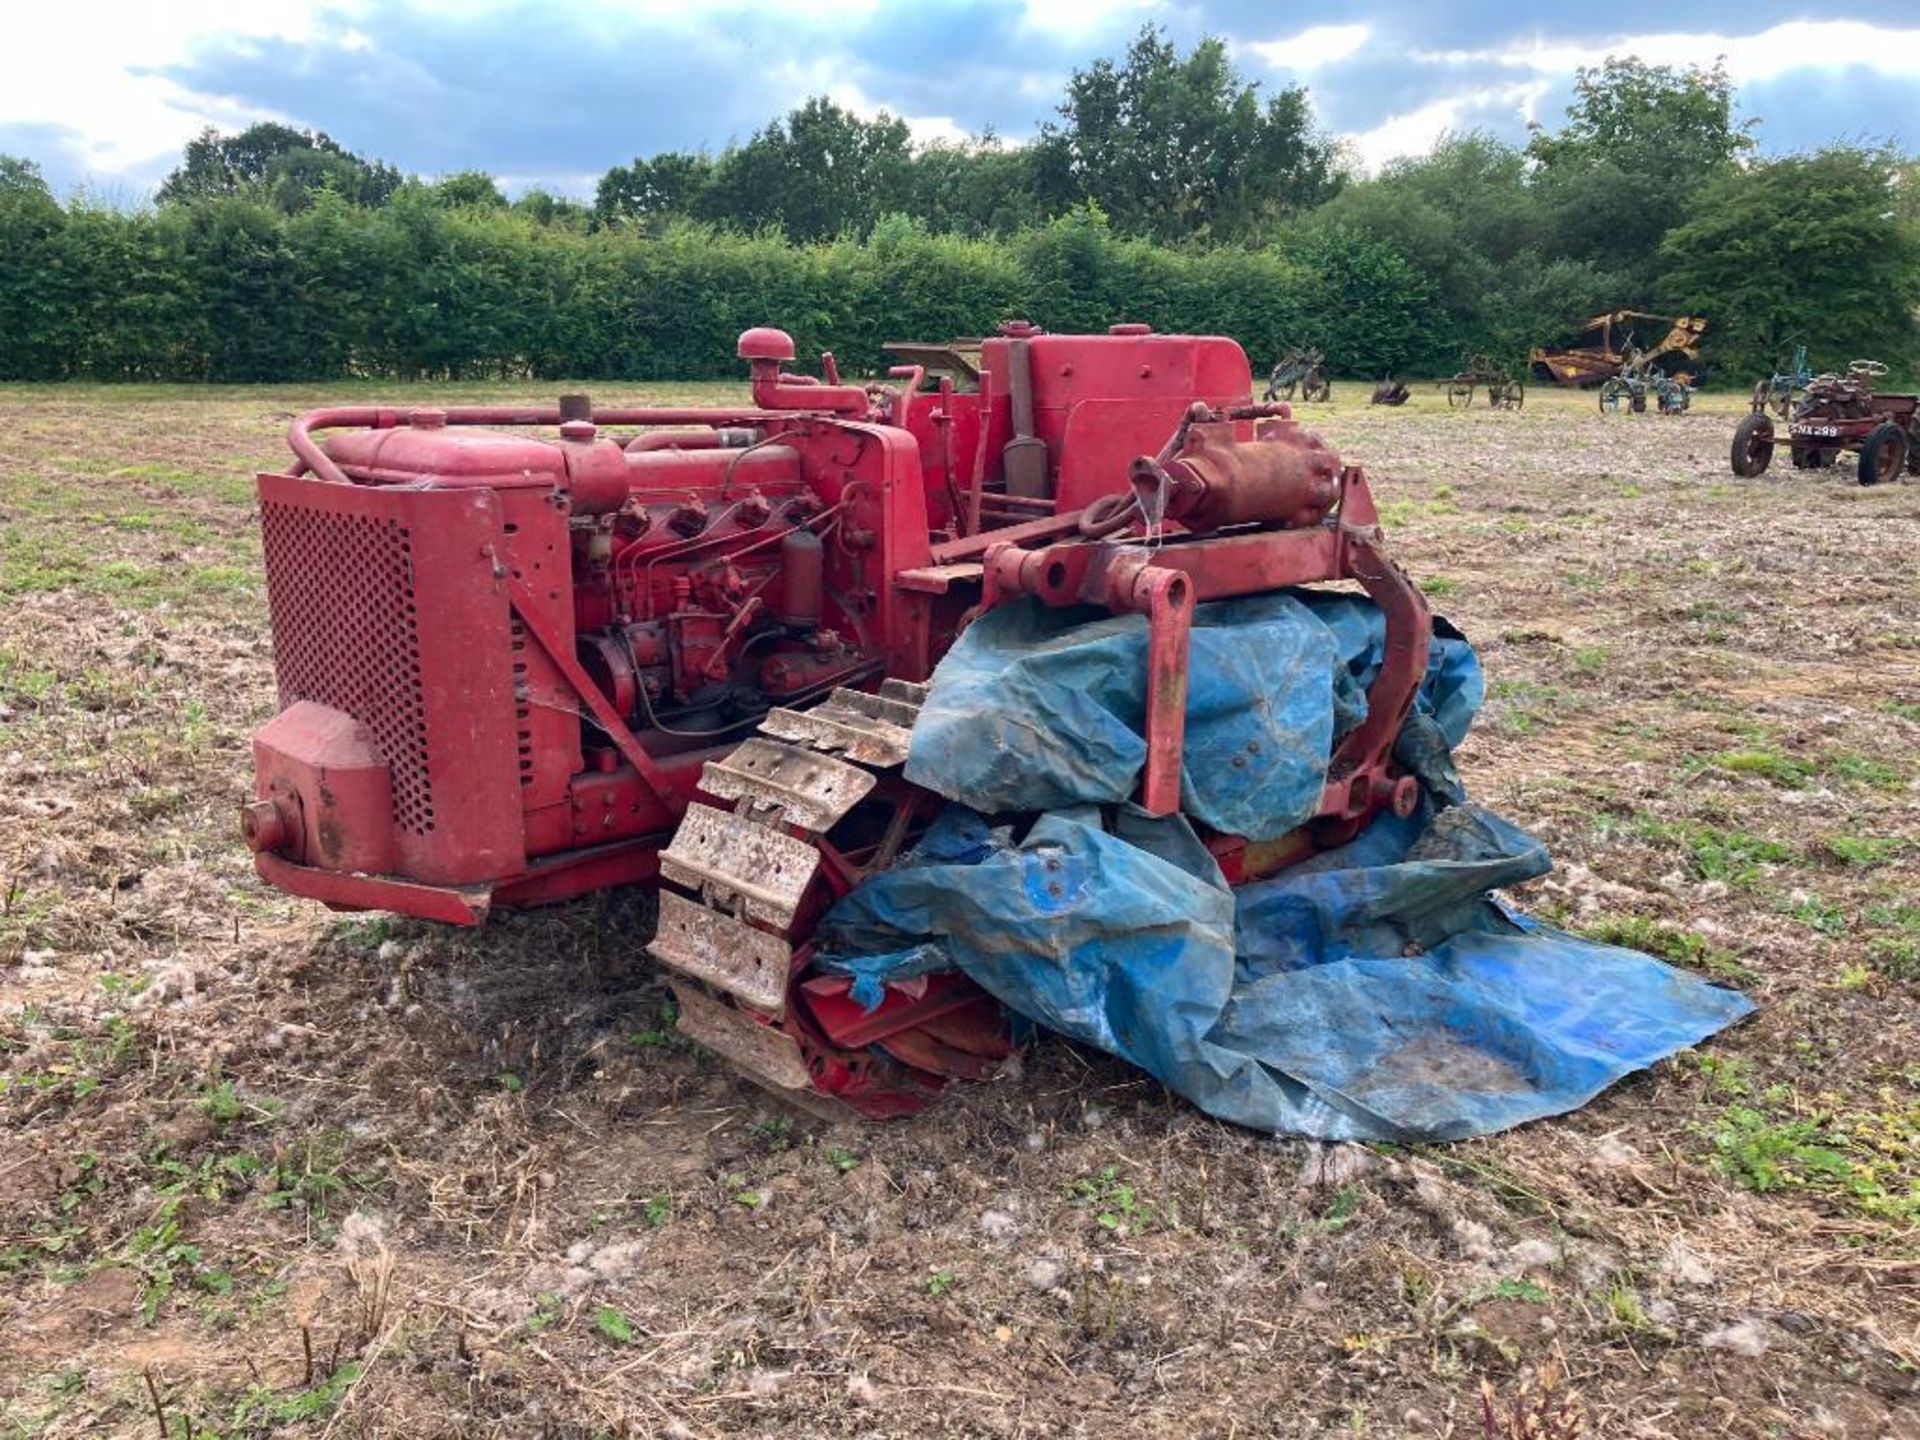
1828 430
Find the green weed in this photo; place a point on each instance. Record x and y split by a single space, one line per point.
216 1177
1782 770
1817 914
1733 857
1111 1198
1679 947
1865 770
1763 1153
223 1103
614 1326
1626 1316
1525 704
161 1255
548 1307
1897 957
663 1035
774 1134
308 1174
1865 852
260 1411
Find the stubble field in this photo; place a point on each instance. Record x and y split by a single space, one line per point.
268 1170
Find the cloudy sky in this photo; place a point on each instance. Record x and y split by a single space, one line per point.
552 94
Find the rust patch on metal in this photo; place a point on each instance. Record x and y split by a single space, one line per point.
728 954
770 1056
768 871
812 790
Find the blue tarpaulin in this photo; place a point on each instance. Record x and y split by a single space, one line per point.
1377 991
1035 709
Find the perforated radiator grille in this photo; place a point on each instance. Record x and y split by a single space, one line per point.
345 634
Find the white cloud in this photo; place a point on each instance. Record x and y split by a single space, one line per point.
1794 45
925 129
1413 132
1312 48
127 123
1799 45
1083 19
97 86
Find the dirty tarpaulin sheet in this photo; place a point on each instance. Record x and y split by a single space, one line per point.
1035 708
1377 991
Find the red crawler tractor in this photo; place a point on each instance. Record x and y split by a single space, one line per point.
526 653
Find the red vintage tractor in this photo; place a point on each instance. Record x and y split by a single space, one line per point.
524 653
1838 414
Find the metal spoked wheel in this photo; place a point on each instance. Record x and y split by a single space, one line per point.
1459 395
1613 395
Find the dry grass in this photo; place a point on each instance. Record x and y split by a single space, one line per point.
269 1169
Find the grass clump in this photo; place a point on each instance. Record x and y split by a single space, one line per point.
1865 1160
1785 771
1733 857
1865 852
1667 942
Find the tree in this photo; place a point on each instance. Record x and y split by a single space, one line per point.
554 211
1178 147
1362 302
976 187
468 189
35 321
820 171
20 176
1639 143
1811 249
1461 216
278 164
672 185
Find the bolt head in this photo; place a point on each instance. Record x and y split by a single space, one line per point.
263 827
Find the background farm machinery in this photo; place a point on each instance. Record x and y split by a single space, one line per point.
1605 346
1480 372
1639 380
1302 368
1777 392
528 652
1839 414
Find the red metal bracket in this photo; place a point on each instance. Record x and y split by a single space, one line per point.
1165 582
608 719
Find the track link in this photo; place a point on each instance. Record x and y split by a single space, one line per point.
728 936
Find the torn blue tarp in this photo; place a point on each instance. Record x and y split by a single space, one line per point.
1377 991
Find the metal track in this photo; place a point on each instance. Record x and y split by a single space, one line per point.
728 942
